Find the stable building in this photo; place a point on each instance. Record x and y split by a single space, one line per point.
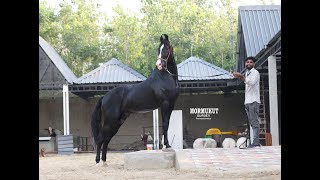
203 87
55 77
259 35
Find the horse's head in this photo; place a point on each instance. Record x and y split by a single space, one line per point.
165 53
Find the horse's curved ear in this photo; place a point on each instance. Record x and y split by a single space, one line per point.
163 37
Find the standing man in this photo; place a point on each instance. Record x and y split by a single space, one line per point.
252 97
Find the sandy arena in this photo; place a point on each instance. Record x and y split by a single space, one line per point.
82 166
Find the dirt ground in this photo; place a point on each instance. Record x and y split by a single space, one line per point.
82 167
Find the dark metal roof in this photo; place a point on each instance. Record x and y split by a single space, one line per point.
273 47
57 60
259 25
112 71
194 68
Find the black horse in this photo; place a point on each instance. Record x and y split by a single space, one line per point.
159 90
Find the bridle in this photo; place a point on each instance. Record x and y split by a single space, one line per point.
166 60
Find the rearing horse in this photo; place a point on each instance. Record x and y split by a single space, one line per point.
159 90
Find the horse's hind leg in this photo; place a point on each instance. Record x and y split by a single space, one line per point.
104 152
99 144
110 132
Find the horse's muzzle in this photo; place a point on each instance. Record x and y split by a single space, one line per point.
159 64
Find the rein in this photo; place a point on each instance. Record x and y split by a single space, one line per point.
197 76
194 76
166 68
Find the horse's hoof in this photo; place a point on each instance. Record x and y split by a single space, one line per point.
104 163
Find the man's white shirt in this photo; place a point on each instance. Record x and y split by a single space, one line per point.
252 91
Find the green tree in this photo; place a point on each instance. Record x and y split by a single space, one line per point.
48 24
84 37
196 28
75 33
125 39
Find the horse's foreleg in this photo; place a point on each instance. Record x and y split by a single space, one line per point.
165 112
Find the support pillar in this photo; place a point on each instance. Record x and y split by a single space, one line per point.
66 126
273 100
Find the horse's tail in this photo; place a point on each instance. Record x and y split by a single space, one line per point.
96 120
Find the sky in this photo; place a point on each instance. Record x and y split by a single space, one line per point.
134 6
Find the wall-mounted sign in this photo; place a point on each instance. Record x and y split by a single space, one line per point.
204 113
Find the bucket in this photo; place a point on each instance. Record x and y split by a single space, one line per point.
149 146
268 139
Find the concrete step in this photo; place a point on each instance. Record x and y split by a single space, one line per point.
149 159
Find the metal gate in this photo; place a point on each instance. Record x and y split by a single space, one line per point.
84 143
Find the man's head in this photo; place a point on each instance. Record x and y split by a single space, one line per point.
250 62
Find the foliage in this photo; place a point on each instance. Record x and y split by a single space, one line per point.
74 32
85 37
